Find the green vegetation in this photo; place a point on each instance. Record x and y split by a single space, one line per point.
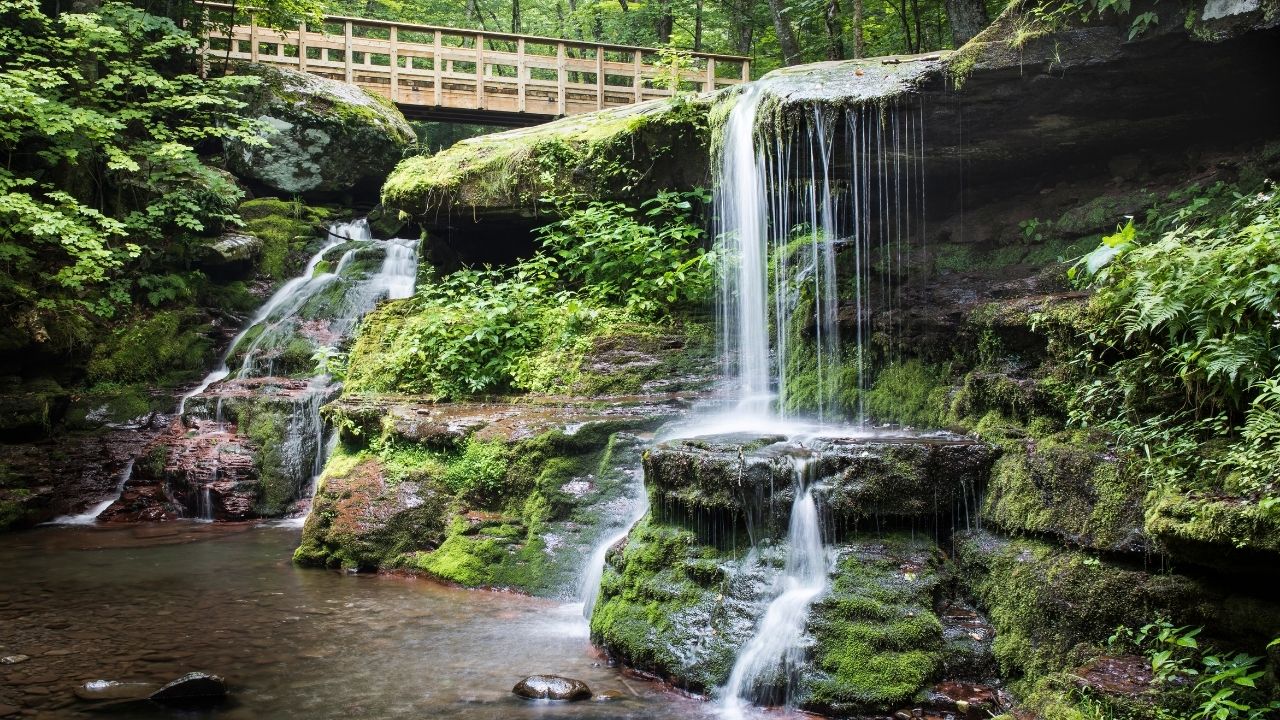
285 228
1179 360
878 639
102 192
604 268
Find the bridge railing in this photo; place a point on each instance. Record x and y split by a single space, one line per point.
431 66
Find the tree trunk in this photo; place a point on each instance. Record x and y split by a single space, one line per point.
666 22
907 44
967 18
786 35
835 31
515 17
915 10
626 6
859 39
697 26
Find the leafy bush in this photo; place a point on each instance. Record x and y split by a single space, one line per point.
649 260
529 326
1182 356
102 182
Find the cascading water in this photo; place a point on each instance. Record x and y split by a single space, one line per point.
90 516
801 192
303 324
767 666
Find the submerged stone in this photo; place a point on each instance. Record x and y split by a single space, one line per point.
552 687
192 688
115 690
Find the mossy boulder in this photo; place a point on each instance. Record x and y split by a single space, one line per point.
1054 608
1071 487
678 608
749 479
30 408
878 642
359 520
319 136
629 152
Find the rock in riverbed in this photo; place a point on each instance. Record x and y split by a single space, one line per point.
192 688
552 687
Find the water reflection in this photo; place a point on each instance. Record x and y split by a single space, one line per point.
149 603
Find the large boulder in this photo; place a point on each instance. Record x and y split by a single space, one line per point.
321 136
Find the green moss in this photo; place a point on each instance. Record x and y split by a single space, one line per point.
596 153
1068 486
265 428
662 609
165 346
1205 527
1052 608
910 393
879 644
285 228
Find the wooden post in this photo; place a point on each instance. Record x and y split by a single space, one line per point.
302 46
349 71
435 69
562 81
394 52
711 75
253 37
746 71
479 71
204 43
599 78
521 74
637 77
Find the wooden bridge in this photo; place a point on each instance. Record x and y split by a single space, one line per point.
447 74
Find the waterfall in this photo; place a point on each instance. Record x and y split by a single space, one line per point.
800 191
311 314
589 587
767 667
90 516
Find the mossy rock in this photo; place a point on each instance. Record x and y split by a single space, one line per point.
1071 487
287 229
165 347
1053 608
31 408
671 606
359 521
878 642
600 154
321 135
1217 532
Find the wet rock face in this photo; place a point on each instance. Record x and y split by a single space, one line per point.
750 478
360 521
322 136
552 687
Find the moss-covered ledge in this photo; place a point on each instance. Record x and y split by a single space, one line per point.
629 152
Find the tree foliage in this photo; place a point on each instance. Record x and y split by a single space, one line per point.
101 184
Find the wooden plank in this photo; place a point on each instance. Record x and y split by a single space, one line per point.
711 76
746 71
436 70
562 78
395 66
522 74
348 59
599 78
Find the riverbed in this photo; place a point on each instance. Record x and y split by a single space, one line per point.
152 602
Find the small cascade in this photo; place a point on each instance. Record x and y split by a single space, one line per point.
291 337
589 588
767 668
90 516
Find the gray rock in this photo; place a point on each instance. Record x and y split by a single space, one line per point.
322 136
192 688
230 248
552 687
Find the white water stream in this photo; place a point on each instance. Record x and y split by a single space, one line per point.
90 516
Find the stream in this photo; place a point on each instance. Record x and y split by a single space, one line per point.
150 603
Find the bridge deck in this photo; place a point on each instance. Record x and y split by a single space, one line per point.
468 75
